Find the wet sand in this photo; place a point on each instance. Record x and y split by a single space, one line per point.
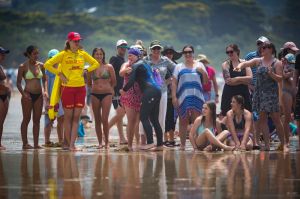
93 173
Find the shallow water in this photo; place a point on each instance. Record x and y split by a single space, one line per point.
168 174
52 173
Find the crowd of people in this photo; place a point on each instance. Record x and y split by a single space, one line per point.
154 91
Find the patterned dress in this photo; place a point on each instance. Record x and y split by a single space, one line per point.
265 97
189 89
132 98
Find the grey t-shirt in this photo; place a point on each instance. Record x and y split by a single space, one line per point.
165 67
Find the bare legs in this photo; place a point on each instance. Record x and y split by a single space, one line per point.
36 108
3 113
71 120
263 123
48 128
118 119
287 102
207 135
133 122
183 127
102 117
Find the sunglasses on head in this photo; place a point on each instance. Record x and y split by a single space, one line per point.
229 52
156 48
187 52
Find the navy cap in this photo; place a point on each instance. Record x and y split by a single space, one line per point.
3 51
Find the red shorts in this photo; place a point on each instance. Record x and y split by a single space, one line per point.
72 97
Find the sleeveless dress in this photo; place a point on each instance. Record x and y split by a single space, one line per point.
230 91
265 97
189 90
133 97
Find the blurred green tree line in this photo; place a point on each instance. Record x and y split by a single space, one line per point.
208 25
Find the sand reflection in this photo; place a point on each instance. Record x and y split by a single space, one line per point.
168 174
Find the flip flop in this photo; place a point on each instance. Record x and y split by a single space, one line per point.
49 144
100 147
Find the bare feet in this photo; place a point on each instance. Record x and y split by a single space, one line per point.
2 147
229 148
147 146
100 147
208 148
74 149
265 148
123 142
65 147
37 147
27 146
182 148
158 148
286 149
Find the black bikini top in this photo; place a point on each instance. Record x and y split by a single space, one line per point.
241 124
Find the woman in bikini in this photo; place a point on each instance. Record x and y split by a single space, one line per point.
202 134
288 91
102 81
32 71
4 94
238 121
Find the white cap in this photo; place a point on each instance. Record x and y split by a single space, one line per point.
122 43
263 39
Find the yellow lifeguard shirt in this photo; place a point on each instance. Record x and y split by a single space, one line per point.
72 66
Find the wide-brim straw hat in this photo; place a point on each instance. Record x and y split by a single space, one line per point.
202 58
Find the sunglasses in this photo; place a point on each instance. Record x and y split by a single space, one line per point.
156 48
229 52
187 52
169 52
264 47
259 43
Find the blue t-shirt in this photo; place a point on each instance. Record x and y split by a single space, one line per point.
248 57
50 81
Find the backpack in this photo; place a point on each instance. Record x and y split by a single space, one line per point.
157 77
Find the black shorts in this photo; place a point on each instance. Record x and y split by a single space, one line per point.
297 107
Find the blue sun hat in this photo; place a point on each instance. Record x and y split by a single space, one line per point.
290 58
52 53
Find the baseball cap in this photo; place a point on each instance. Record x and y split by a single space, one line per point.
290 58
155 43
290 45
74 36
3 50
122 44
52 53
262 39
